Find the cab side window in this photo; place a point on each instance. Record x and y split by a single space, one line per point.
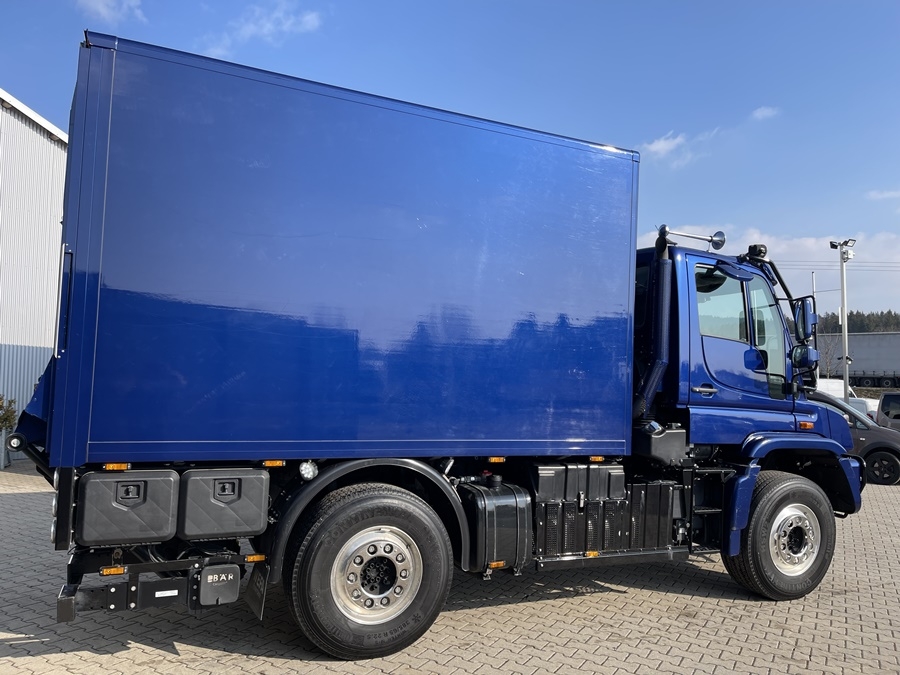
768 334
720 305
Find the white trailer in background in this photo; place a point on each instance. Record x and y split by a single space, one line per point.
874 358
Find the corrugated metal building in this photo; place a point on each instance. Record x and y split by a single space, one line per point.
32 172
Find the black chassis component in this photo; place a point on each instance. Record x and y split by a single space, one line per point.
180 582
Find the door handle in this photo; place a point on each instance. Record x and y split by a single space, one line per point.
705 390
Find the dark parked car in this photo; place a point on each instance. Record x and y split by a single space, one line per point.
878 445
888 413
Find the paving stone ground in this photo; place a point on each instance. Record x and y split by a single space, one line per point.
675 618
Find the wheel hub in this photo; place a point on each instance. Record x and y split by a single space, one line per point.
794 539
376 575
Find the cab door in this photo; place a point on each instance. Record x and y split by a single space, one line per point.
739 348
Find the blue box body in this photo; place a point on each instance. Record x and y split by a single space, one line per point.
266 267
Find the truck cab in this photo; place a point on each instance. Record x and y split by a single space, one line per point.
733 390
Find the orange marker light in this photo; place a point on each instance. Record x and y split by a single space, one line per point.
111 571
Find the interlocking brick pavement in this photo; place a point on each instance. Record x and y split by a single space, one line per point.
677 618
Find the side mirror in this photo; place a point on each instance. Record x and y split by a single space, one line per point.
805 319
804 357
754 360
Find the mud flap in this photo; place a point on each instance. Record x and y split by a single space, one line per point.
256 588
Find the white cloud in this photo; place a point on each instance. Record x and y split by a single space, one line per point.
883 194
274 23
765 112
271 22
678 150
664 146
113 11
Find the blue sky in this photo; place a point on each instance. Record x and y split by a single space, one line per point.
777 122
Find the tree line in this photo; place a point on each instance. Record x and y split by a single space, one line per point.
861 322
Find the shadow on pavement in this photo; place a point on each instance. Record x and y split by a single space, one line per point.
34 573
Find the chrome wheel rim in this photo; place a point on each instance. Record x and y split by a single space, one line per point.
376 575
794 539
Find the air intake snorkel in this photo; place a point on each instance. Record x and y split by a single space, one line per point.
662 301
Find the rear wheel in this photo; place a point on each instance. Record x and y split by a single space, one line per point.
788 543
883 468
369 571
866 382
887 383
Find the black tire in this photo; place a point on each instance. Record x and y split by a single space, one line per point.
866 382
788 544
368 571
882 468
887 383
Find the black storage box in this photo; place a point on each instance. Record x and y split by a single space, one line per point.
669 448
578 482
654 506
579 509
223 503
500 525
133 507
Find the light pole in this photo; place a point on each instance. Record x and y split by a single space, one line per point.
846 254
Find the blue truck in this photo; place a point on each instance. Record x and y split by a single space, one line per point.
346 344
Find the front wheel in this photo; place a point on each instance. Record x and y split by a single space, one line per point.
369 571
788 543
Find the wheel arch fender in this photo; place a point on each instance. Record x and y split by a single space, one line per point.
400 472
822 460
